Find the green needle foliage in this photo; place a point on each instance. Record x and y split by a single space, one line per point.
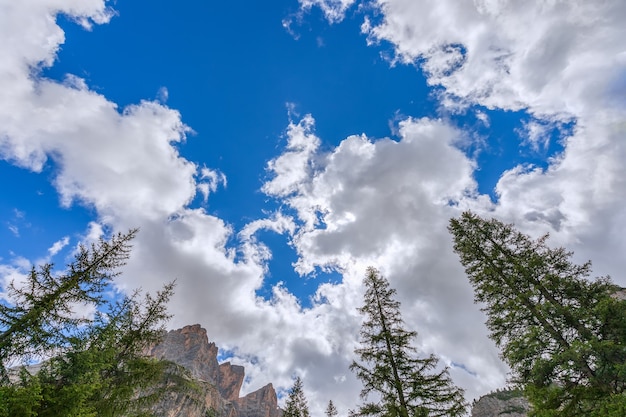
296 402
93 366
563 335
40 317
404 384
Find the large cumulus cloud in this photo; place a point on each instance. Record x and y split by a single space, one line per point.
387 203
366 201
559 61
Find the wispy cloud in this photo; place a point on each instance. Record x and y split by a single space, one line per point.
58 246
14 229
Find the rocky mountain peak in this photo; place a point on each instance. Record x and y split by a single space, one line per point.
190 348
260 403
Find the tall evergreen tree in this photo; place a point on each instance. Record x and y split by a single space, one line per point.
296 402
105 371
39 319
331 410
563 335
404 384
94 366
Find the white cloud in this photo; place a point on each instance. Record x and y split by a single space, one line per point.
536 134
163 94
564 69
94 232
128 153
483 117
482 51
295 165
11 274
387 203
14 229
58 246
209 181
570 67
334 10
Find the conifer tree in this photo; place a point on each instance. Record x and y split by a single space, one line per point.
39 319
94 366
331 410
404 384
105 370
296 402
563 335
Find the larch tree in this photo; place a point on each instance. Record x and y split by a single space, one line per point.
403 384
39 317
562 334
296 405
91 365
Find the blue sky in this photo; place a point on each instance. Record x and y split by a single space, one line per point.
270 152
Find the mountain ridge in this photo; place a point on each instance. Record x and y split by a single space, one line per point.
217 385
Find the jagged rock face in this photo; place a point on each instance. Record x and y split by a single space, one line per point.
260 403
219 385
509 403
203 402
189 347
230 380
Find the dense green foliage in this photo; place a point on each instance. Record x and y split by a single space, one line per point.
91 366
296 405
563 335
404 384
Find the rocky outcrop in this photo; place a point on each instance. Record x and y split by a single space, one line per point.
189 347
201 400
507 403
215 388
260 403
230 380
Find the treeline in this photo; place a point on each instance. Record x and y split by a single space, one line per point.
562 334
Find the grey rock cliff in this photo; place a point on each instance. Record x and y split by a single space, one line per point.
507 403
217 386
